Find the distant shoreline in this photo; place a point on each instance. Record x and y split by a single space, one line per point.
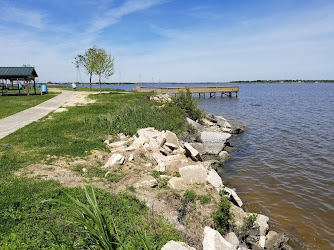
214 83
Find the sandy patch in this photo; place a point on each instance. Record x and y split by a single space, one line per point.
80 98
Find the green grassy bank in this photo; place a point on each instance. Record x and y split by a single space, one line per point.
12 104
26 222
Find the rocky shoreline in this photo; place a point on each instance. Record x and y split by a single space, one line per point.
190 163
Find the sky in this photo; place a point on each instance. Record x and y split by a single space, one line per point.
172 40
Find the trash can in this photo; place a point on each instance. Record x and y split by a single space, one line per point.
44 89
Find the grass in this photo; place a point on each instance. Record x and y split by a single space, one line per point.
189 196
27 223
12 104
204 199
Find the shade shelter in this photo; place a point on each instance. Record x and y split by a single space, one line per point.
17 78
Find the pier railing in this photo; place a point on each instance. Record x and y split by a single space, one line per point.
225 90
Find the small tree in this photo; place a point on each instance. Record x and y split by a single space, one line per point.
104 65
88 62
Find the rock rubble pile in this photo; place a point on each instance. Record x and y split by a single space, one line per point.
182 166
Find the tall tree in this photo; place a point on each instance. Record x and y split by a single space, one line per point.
87 60
104 65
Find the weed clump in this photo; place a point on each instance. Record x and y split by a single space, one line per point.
222 216
189 196
204 199
248 222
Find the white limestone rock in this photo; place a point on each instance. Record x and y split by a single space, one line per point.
131 157
196 125
115 159
149 133
262 222
193 174
214 241
193 153
138 143
232 238
118 144
160 160
176 245
214 141
238 214
177 183
234 196
146 181
198 146
214 179
171 140
161 139
223 156
262 241
172 146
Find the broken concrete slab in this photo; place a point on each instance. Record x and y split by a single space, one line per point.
176 245
191 152
193 174
171 139
214 179
115 159
177 183
161 139
214 142
196 125
146 181
234 196
213 240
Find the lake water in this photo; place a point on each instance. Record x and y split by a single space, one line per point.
283 165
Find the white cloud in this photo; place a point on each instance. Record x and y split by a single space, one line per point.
296 45
292 46
26 17
113 15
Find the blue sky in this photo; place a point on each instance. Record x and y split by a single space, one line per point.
172 40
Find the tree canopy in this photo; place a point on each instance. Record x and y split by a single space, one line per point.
96 61
104 65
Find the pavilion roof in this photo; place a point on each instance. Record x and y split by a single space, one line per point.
17 72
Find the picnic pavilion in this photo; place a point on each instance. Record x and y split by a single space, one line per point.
17 78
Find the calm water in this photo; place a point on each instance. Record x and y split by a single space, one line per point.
284 163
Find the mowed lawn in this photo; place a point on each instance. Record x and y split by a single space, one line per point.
12 104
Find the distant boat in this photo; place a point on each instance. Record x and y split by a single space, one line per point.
316 82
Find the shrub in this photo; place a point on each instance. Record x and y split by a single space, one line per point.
188 103
248 222
222 215
189 196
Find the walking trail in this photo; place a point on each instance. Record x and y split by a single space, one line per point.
14 122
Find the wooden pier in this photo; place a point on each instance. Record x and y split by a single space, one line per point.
201 91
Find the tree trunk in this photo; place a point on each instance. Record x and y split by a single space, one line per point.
100 83
90 81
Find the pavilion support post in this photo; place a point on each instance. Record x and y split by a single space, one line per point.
35 86
27 87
